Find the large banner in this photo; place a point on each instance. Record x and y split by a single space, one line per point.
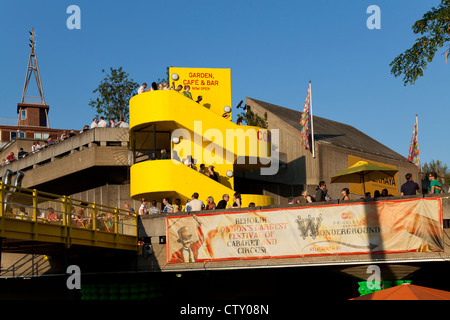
360 228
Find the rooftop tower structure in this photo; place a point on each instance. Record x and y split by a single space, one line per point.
31 112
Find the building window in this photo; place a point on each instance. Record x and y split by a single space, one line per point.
38 135
16 134
45 135
23 114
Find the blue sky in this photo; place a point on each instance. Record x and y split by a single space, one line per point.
273 49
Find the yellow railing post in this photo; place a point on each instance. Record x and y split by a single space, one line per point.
35 205
136 227
69 214
116 220
2 205
69 222
2 193
94 217
64 218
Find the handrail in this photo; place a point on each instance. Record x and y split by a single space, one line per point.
65 146
91 215
54 197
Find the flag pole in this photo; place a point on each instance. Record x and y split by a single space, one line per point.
312 121
417 134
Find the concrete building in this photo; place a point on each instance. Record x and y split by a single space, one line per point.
101 157
337 146
94 166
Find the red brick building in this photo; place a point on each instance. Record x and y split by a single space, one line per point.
31 124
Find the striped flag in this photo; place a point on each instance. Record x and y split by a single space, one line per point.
413 155
305 121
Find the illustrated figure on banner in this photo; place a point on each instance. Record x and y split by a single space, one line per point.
189 251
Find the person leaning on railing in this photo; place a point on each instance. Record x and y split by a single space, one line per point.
307 197
21 153
154 209
237 202
210 204
345 192
435 186
164 154
167 205
52 216
223 203
186 91
109 222
127 207
143 208
11 157
177 207
81 219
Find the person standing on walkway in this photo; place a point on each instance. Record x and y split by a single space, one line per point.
409 187
435 186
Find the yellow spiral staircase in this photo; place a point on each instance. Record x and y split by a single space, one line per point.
166 119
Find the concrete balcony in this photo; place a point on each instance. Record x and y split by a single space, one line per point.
394 264
93 158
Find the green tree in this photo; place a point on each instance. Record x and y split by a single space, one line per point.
434 28
253 119
114 91
440 168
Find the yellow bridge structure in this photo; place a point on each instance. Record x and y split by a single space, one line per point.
32 217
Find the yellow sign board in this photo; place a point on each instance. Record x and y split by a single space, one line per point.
211 84
390 184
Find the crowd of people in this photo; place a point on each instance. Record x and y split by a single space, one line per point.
410 187
36 147
39 145
102 123
78 218
193 204
165 86
186 91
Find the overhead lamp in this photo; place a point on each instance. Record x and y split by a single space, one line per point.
175 77
176 140
227 109
229 173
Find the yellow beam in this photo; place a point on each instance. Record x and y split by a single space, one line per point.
169 106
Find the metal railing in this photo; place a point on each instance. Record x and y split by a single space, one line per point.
42 207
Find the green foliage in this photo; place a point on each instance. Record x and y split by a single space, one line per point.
440 168
114 91
434 29
253 119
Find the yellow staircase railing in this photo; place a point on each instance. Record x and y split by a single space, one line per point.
201 134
